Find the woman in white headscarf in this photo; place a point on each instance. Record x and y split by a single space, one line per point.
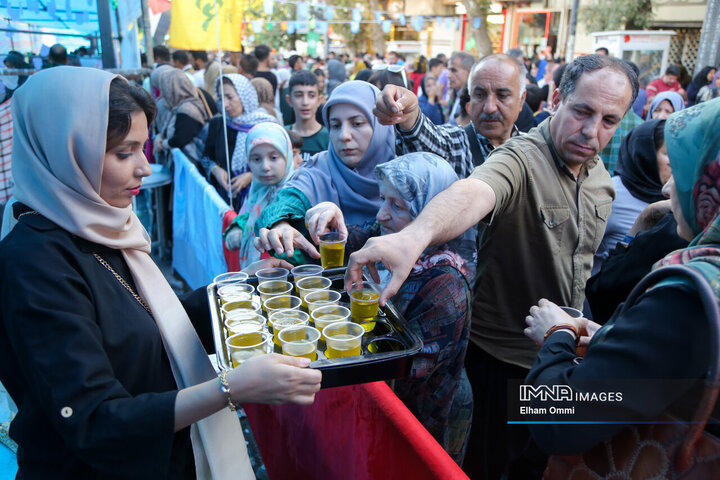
95 348
242 108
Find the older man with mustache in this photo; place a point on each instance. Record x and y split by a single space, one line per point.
543 200
497 93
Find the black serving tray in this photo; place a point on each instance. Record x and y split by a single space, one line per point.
387 351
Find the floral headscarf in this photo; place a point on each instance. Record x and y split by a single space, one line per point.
419 177
693 145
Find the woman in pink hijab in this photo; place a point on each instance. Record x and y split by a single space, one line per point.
95 348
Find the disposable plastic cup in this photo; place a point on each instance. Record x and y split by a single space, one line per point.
281 302
300 341
343 339
324 316
311 284
364 304
321 298
235 292
272 274
332 249
573 312
306 271
273 289
287 318
246 306
243 346
230 278
244 322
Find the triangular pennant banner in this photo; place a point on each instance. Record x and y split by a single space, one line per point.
291 27
378 17
354 27
257 26
477 22
322 26
386 26
402 20
312 23
268 7
356 15
457 23
329 12
417 22
33 6
438 22
448 23
52 10
68 11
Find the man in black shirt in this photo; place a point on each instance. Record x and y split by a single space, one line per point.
266 61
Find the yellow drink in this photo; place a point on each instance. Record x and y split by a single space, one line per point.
285 319
332 254
300 349
246 345
364 307
347 348
325 320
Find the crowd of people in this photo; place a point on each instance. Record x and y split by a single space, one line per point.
481 195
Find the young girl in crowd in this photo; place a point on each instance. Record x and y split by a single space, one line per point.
240 101
270 158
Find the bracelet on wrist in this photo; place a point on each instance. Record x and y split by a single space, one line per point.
563 326
225 388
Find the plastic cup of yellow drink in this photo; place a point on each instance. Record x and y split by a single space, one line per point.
299 341
287 318
229 278
247 345
244 321
311 284
272 274
324 316
273 288
332 249
364 304
343 339
303 271
235 292
321 298
281 302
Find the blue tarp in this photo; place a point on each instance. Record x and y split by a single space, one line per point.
198 213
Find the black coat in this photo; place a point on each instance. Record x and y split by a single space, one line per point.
85 363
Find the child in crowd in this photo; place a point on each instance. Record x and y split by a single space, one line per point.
269 153
297 144
304 98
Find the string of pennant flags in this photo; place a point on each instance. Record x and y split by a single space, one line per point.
306 22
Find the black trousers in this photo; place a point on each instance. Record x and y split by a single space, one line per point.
495 449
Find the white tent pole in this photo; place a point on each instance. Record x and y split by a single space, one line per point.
222 107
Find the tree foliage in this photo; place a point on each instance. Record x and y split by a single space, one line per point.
616 15
479 8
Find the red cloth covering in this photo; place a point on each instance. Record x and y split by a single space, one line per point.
231 258
361 432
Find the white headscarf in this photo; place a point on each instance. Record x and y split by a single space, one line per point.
251 116
57 166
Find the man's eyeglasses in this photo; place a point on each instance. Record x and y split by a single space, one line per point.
393 69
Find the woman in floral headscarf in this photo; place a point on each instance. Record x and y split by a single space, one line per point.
435 299
243 111
665 333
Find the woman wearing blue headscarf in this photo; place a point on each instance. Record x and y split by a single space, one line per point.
343 175
435 299
664 105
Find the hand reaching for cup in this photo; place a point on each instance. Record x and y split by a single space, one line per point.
546 315
322 218
283 238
